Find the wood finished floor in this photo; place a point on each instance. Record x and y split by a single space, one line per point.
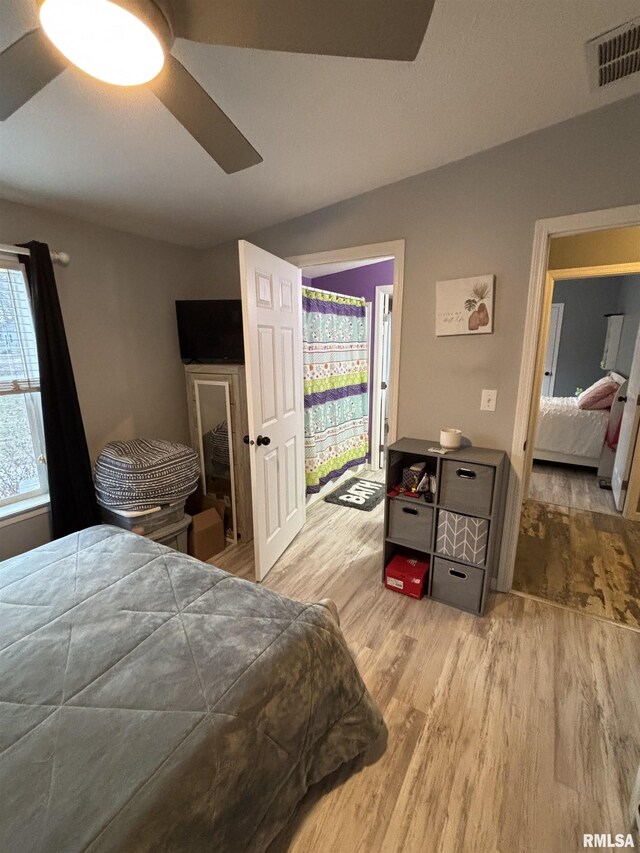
566 486
514 733
586 560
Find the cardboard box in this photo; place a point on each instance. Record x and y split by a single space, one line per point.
197 502
407 574
222 510
222 502
206 534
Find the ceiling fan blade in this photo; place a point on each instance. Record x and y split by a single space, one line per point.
374 29
202 117
27 66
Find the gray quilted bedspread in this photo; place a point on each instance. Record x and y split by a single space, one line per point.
150 702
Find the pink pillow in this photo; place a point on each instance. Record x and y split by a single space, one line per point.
600 395
604 403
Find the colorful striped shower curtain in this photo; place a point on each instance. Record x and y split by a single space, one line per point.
336 392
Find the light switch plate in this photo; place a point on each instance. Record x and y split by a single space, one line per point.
488 402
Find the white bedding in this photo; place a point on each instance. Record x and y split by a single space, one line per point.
564 428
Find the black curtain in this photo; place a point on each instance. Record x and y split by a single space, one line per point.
71 491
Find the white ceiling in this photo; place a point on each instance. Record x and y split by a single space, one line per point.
319 270
328 128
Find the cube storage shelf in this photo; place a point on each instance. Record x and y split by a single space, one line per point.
460 531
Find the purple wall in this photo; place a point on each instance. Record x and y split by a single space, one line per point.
361 281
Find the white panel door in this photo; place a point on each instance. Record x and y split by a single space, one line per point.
553 346
628 432
272 320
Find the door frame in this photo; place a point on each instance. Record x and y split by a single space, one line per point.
392 248
632 501
556 352
631 505
535 334
376 427
552 276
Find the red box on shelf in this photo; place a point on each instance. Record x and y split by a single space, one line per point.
406 574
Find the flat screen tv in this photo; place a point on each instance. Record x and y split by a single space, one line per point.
210 331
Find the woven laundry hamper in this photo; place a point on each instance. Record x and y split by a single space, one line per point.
145 473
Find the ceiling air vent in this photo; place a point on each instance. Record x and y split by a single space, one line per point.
614 55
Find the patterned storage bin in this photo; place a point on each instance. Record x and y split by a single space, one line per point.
144 473
462 537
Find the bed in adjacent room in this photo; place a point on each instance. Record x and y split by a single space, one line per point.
152 702
569 433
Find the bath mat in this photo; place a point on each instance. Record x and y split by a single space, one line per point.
357 493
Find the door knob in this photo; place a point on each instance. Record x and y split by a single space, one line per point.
247 440
263 439
547 373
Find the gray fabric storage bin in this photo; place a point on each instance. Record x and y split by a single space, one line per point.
466 487
462 537
458 585
411 521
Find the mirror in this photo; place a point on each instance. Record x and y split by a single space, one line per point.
216 454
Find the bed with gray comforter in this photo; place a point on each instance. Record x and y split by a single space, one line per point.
151 702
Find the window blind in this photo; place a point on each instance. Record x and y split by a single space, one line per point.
19 372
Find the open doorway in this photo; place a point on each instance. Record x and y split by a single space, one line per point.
579 539
374 275
369 280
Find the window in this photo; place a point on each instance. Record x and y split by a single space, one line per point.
22 461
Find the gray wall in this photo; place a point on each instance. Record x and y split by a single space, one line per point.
21 534
221 279
468 218
630 307
584 329
117 301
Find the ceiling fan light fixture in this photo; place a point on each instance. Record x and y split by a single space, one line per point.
106 40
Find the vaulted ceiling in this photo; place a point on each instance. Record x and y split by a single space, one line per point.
328 128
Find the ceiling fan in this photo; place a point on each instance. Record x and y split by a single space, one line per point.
128 43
